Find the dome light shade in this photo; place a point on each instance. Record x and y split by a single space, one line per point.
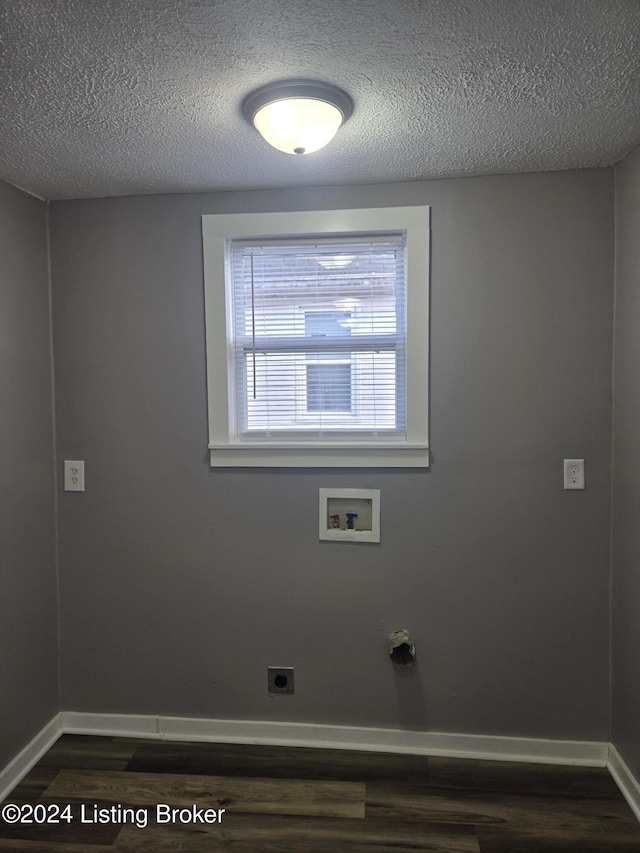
297 117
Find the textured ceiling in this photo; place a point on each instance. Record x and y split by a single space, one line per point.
119 97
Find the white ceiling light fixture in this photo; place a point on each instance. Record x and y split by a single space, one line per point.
298 117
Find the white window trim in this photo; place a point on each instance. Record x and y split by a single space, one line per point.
218 230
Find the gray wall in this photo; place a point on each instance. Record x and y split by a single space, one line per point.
625 697
28 597
181 584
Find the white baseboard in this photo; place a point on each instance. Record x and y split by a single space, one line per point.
18 768
531 750
593 754
625 780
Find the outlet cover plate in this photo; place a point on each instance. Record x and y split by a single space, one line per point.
574 473
280 680
73 475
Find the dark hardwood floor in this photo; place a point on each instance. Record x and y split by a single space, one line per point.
248 799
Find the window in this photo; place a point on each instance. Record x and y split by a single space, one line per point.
317 329
328 373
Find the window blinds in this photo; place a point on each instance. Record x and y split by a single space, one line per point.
318 338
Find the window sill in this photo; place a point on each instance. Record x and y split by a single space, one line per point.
301 455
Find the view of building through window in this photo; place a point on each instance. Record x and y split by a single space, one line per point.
328 373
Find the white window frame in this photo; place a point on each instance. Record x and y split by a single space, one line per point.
228 451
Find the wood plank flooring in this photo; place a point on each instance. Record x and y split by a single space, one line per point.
122 793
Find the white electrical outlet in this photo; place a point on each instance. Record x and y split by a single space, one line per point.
73 475
574 473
